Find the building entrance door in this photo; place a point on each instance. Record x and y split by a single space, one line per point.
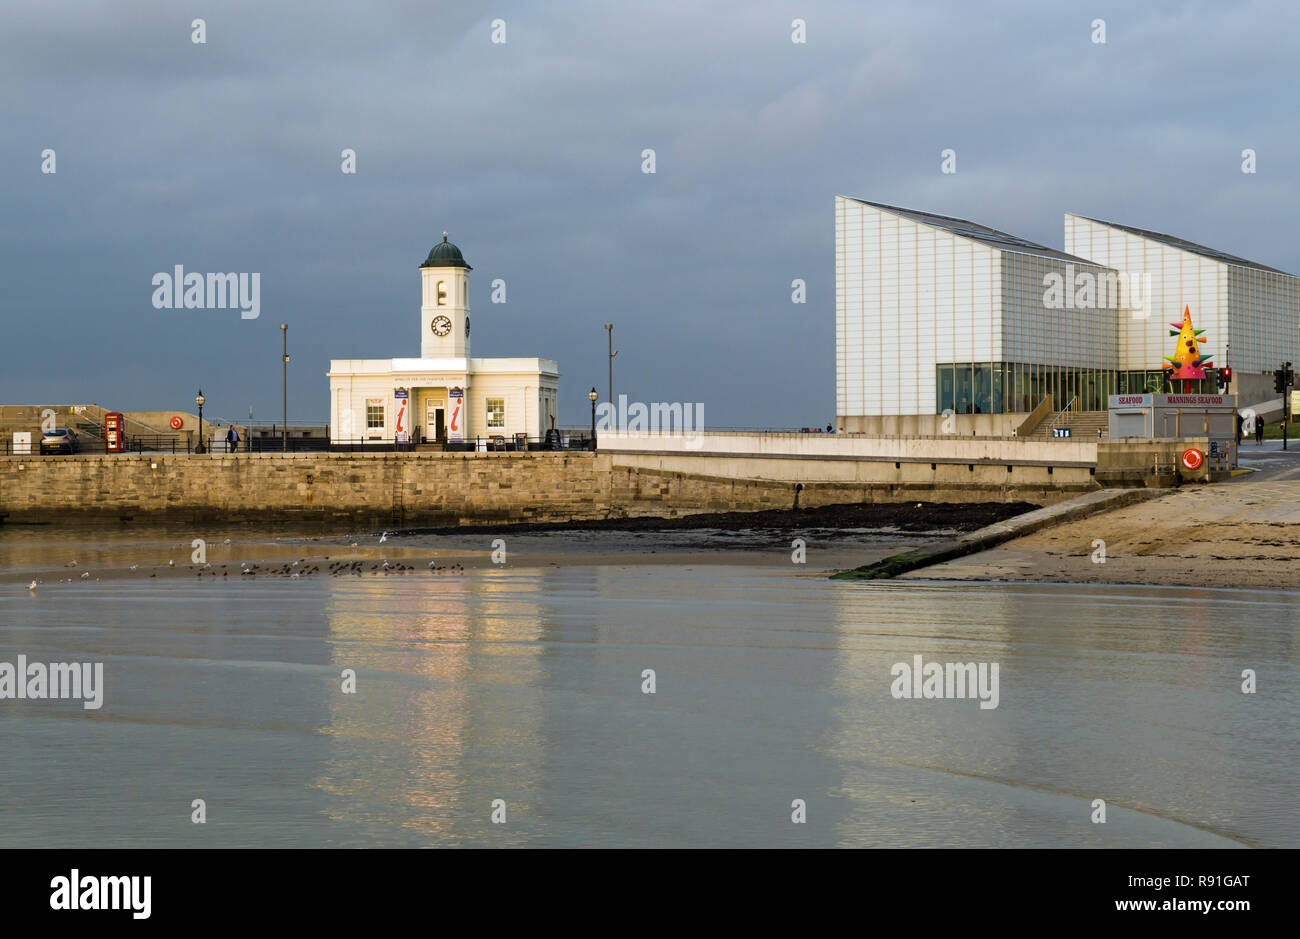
435 423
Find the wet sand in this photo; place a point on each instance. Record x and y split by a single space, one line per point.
899 516
1244 533
50 559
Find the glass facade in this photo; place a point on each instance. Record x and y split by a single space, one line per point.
997 323
1018 387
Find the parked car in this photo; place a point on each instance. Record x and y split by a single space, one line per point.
59 440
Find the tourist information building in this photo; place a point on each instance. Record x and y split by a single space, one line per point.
444 396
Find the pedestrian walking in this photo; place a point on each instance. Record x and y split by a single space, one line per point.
1259 430
232 438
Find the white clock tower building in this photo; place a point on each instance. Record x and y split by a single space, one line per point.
444 400
444 314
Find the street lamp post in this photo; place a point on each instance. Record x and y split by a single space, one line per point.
609 328
284 331
199 399
593 396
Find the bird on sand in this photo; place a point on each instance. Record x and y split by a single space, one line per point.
32 585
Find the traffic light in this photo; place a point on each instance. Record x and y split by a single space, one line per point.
1288 377
1279 380
1226 376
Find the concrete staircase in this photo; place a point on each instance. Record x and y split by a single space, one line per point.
1084 425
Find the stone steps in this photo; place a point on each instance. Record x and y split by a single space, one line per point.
1083 425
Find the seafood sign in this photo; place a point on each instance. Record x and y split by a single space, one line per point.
1187 361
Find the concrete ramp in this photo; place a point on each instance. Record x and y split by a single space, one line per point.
990 536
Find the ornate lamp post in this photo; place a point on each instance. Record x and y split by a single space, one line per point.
593 396
199 399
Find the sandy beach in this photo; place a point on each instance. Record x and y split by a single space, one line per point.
835 537
1240 533
74 557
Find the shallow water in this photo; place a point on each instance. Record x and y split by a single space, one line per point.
523 683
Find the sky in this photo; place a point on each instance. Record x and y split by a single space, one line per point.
226 156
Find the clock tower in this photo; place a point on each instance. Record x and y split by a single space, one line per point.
444 310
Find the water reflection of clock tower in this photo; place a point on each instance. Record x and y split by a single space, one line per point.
444 310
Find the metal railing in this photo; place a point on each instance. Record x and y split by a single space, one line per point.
216 446
493 443
1060 415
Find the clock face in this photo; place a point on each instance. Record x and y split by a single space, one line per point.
441 325
467 326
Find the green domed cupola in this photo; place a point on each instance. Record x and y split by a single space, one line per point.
445 254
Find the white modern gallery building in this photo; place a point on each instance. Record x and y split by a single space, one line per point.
935 313
444 396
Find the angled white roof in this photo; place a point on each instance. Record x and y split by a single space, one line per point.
976 232
1184 245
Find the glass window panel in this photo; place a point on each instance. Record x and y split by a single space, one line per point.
964 391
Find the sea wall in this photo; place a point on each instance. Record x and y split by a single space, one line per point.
462 488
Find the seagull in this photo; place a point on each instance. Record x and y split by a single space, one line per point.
383 537
171 563
134 566
85 575
243 564
432 565
354 544
293 576
227 541
295 563
32 585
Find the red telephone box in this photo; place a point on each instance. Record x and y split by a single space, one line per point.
114 433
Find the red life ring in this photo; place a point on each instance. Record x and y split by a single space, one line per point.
177 422
1192 458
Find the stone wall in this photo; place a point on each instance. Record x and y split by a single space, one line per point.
456 488
1139 461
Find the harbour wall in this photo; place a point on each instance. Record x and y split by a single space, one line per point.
475 488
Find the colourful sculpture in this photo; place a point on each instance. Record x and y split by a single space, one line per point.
1187 362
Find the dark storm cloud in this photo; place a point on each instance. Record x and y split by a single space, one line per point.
226 156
